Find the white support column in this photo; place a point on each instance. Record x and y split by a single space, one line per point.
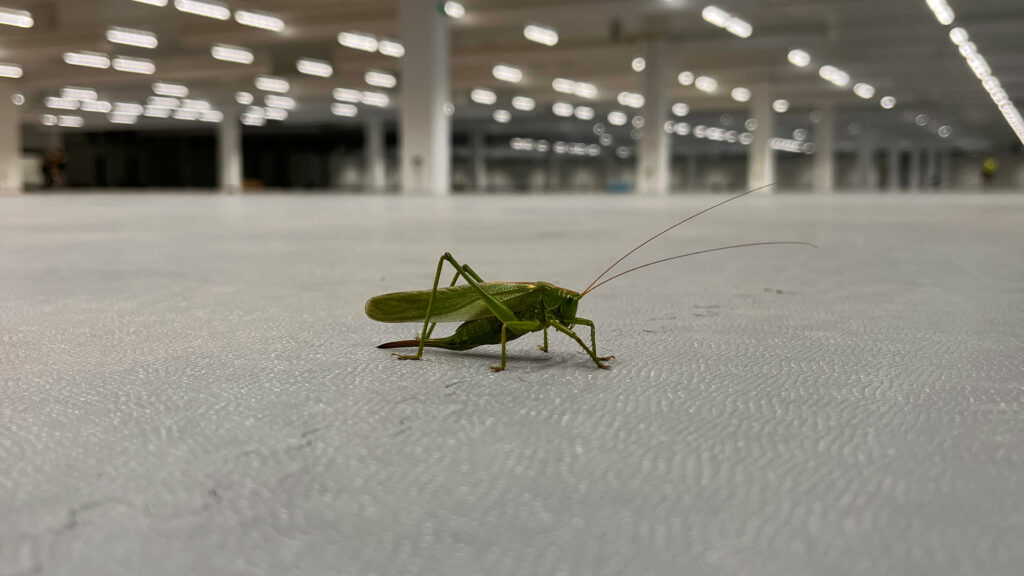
374 150
10 142
915 169
229 154
424 130
866 176
691 170
760 155
479 144
825 152
931 170
894 168
945 168
554 172
654 155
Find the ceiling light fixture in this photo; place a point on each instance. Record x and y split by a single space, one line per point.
358 41
541 34
16 18
134 65
260 20
205 8
87 59
311 67
229 53
132 37
170 89
507 73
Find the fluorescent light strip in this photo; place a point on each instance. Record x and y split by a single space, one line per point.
887 102
502 116
163 102
943 13
134 65
581 89
706 84
157 112
195 104
345 110
206 8
48 120
170 89
799 58
311 67
378 99
128 108
61 103
380 79
523 103
454 9
122 118
70 121
781 105
277 114
76 93
211 116
541 34
87 59
733 24
277 101
680 109
10 71
864 90
16 18
583 112
229 53
186 114
989 81
507 73
391 48
261 20
101 106
834 75
483 96
562 109
358 41
272 84
153 2
346 95
132 37
631 99
740 94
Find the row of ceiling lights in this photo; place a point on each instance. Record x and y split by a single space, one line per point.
366 42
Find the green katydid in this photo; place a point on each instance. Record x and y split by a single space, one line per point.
498 312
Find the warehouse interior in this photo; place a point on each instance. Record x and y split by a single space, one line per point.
819 373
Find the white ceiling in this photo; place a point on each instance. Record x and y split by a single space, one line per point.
896 45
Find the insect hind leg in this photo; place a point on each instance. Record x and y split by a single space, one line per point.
428 327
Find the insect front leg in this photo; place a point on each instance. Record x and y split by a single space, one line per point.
565 330
544 348
593 339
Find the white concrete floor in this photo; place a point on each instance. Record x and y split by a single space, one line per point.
188 385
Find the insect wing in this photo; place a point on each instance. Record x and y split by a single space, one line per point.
452 304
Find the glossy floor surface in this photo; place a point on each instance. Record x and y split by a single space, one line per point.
188 385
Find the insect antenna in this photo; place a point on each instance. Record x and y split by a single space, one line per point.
607 280
645 242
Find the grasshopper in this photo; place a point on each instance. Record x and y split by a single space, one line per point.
499 312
